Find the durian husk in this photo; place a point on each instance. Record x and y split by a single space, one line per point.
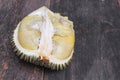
36 59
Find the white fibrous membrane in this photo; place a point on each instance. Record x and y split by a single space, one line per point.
47 32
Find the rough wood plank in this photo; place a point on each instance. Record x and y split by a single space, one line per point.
11 67
97 54
97 47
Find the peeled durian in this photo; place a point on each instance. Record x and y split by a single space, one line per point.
45 38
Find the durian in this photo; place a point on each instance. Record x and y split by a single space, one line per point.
45 38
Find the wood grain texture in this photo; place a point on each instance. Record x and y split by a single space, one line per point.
97 46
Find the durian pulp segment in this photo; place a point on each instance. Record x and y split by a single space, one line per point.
47 35
63 38
27 36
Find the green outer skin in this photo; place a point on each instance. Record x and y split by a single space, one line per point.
37 61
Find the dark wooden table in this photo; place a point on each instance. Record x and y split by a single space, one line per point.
97 46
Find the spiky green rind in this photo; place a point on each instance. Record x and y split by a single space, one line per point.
37 61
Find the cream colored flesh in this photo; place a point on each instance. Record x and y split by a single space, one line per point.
47 35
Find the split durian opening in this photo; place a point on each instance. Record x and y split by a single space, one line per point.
46 34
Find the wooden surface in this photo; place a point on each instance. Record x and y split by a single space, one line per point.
97 46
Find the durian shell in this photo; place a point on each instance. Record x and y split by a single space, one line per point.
37 60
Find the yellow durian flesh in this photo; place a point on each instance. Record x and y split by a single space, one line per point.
63 38
28 36
63 47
